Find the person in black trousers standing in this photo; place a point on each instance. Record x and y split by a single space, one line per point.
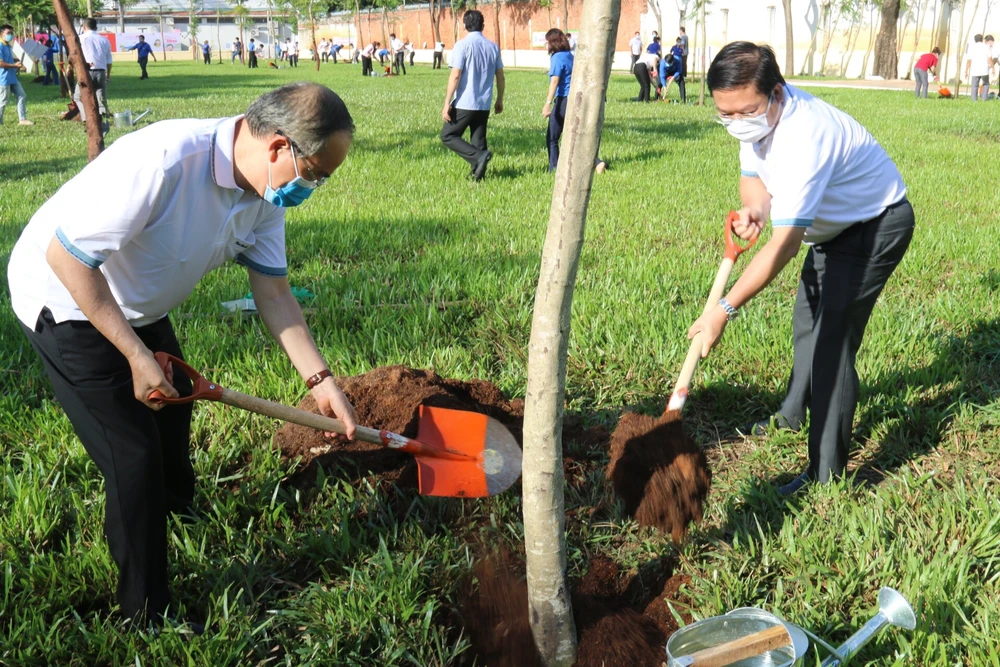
366 59
475 62
252 62
398 54
822 180
92 294
438 55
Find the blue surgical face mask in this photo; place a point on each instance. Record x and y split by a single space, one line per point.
9 37
292 193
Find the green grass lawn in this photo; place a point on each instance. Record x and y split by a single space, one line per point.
350 577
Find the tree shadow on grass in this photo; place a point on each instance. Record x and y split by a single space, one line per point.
16 170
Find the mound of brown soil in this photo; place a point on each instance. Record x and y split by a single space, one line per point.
611 629
389 399
660 474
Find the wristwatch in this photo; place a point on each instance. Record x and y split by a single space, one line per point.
731 313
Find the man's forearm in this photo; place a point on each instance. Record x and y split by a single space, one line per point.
92 294
283 317
763 269
452 86
501 84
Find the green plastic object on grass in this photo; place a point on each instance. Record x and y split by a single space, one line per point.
303 295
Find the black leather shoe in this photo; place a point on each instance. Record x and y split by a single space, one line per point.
795 485
480 169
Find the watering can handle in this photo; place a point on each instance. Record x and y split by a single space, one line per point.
738 649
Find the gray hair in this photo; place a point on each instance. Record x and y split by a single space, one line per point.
307 114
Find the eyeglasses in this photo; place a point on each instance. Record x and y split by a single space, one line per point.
313 180
726 118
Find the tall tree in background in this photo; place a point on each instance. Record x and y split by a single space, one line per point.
88 95
703 45
549 607
886 55
789 39
434 6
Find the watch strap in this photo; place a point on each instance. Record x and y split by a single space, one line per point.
731 313
319 377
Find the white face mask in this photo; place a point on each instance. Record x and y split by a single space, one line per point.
752 129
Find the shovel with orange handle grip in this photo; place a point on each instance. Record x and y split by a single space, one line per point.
459 454
733 251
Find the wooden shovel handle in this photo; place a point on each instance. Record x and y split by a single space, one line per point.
742 648
733 251
262 406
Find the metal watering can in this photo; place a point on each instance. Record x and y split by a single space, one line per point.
125 119
750 637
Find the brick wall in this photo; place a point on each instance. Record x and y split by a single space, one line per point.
517 22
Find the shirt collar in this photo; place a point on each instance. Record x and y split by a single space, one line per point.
222 154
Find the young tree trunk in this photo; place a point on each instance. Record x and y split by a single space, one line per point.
871 42
811 52
886 55
703 43
549 605
496 23
789 40
852 41
88 95
828 33
565 5
921 15
312 30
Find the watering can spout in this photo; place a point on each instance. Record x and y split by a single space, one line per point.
893 609
139 117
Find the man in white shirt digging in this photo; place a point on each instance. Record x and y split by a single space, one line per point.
823 180
92 289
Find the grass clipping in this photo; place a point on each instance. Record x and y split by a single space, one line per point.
660 474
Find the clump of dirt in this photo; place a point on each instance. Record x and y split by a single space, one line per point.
389 399
660 474
611 628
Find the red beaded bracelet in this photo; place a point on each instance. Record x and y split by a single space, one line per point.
319 377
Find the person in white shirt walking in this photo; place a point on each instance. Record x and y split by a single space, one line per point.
92 293
94 54
293 53
398 54
438 55
635 46
822 180
324 49
475 63
978 67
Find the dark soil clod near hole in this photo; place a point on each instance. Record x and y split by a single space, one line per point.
612 630
660 474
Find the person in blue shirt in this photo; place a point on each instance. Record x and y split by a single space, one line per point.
252 48
383 53
678 50
475 63
561 59
654 46
51 76
671 69
560 75
206 52
9 85
335 50
145 51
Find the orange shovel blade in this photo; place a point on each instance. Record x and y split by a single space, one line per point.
494 461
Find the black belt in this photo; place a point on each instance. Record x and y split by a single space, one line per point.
94 69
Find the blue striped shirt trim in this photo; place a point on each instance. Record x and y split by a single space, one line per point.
273 271
76 252
749 174
792 222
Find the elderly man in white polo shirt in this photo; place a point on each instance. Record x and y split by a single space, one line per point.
92 288
822 179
